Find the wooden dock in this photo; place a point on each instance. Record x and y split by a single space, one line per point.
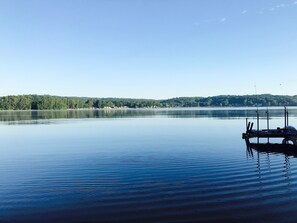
288 134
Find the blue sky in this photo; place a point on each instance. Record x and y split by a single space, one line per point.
148 48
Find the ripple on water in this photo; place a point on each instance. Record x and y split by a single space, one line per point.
165 182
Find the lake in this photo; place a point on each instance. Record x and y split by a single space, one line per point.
150 165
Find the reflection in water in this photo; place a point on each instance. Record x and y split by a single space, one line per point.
269 148
267 152
16 117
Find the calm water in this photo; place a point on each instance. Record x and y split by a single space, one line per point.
185 165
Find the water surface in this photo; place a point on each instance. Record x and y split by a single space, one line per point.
163 165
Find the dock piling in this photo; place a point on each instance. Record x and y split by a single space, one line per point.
258 127
267 116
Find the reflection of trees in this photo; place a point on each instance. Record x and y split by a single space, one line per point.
226 113
10 116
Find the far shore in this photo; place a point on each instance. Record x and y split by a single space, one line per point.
152 108
48 102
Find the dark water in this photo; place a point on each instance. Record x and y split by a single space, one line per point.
142 166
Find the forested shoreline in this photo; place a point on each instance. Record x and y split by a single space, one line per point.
47 102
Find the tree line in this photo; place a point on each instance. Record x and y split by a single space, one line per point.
47 102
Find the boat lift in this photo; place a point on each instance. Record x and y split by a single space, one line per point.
288 133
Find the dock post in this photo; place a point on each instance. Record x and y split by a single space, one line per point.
257 120
287 117
285 111
258 125
251 127
267 113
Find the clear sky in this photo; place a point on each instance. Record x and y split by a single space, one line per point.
148 48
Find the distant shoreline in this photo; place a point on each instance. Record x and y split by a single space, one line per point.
47 102
167 108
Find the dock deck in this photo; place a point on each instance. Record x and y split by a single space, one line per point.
288 133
